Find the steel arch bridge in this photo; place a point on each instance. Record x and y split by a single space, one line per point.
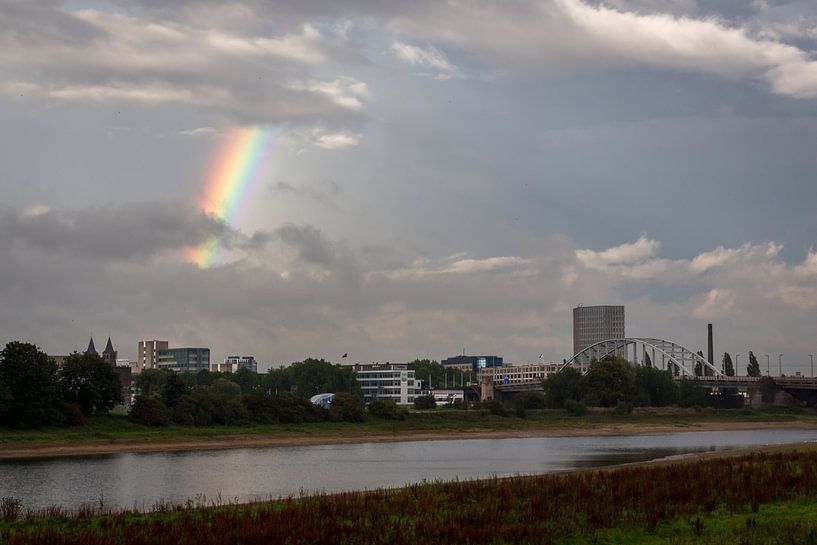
663 354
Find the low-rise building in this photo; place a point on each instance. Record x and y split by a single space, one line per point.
234 363
443 396
512 374
472 363
387 381
184 360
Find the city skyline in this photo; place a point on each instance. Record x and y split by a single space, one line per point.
321 178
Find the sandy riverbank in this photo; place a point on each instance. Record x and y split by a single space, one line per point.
47 450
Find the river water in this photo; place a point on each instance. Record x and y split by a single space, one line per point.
142 480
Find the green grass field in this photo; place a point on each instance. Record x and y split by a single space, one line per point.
116 427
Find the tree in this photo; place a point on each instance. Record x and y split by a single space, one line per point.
562 387
654 387
425 402
224 387
699 366
728 368
348 408
310 377
29 390
149 411
90 382
246 379
150 382
608 382
753 369
174 387
647 360
691 394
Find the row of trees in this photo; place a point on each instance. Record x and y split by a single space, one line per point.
727 367
613 381
34 392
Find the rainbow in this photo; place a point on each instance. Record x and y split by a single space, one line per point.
234 168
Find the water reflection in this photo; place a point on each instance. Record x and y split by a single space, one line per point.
141 480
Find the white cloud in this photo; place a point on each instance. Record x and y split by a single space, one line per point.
200 131
624 254
716 304
346 92
336 141
571 35
99 56
429 57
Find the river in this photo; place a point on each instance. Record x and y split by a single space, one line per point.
142 480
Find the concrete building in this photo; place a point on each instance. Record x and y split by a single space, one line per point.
387 381
234 363
184 360
147 354
443 396
513 374
472 363
595 324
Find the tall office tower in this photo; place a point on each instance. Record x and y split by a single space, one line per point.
595 324
147 355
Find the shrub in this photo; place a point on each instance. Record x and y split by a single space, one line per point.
531 400
624 407
519 410
149 411
425 402
347 408
388 409
10 508
496 408
72 414
576 408
285 408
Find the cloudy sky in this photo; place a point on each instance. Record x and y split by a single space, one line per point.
440 175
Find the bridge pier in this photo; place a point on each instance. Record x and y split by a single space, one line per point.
763 394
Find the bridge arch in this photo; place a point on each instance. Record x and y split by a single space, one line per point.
670 353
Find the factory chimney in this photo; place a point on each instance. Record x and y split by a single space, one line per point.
710 347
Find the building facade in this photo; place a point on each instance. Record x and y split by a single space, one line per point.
387 381
234 363
184 360
595 324
147 355
472 363
514 374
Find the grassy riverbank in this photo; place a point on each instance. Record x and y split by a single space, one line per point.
116 433
761 498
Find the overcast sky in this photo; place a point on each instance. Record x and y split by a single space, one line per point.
443 176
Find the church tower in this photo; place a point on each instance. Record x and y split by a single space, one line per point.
91 348
109 354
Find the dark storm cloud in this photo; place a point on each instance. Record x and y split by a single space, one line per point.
311 244
131 231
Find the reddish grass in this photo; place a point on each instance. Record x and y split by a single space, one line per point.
519 510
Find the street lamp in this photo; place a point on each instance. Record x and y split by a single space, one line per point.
767 365
780 364
736 364
811 357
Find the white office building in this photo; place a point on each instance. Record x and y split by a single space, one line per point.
234 363
387 381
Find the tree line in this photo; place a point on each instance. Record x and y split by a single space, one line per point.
614 382
233 399
35 392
